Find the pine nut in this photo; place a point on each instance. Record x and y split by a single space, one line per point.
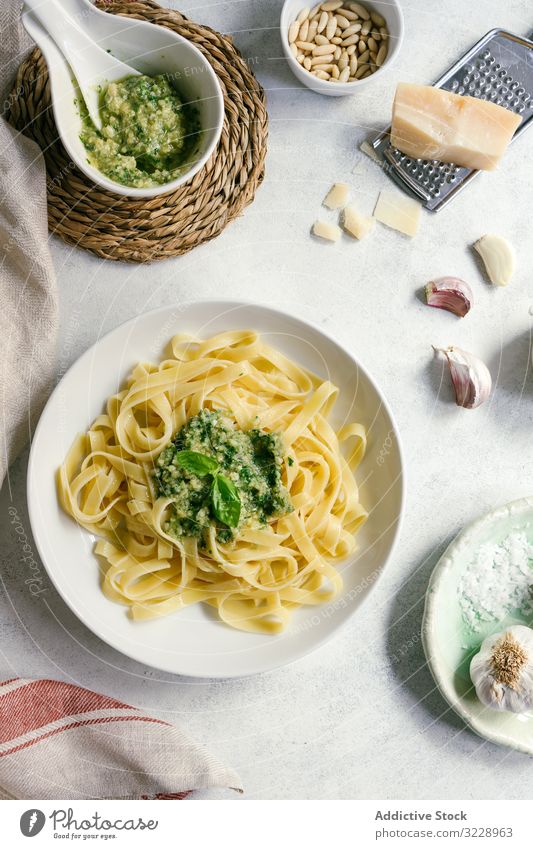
322 75
384 34
353 66
331 27
323 22
378 19
360 10
311 35
322 60
364 57
337 54
294 29
342 22
300 58
323 50
306 46
352 30
303 15
352 39
351 49
343 78
361 45
352 16
331 6
365 29
307 63
362 69
328 66
382 55
335 73
294 50
321 39
375 34
372 45
336 40
304 30
314 11
343 61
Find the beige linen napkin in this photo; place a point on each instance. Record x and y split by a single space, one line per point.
28 298
60 741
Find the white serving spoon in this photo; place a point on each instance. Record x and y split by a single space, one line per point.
144 48
92 66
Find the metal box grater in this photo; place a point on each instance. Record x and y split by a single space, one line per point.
498 68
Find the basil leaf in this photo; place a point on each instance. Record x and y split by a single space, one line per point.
198 464
226 501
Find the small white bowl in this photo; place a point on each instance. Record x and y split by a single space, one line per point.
150 49
388 9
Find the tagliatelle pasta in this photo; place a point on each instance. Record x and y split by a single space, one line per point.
107 485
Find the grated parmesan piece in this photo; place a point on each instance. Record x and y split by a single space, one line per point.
398 211
337 196
327 231
355 224
498 580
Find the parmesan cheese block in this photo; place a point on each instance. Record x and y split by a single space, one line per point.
429 123
399 212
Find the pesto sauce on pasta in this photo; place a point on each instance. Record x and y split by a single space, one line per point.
252 460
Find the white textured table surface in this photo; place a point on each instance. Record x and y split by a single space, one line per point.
361 717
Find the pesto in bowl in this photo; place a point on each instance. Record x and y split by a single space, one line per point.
220 476
148 134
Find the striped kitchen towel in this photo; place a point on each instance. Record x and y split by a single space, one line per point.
60 741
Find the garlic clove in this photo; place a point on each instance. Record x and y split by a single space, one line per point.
450 293
498 257
470 377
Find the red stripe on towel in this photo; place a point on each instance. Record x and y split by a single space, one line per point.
38 703
100 721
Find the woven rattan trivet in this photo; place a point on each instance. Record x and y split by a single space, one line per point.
142 230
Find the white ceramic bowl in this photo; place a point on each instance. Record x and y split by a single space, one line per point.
388 9
449 644
150 49
193 641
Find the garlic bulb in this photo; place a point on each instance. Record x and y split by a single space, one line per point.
470 377
502 671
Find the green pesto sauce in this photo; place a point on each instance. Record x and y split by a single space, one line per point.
252 460
147 134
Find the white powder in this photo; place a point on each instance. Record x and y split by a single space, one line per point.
497 580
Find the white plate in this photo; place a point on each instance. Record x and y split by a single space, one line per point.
449 644
193 642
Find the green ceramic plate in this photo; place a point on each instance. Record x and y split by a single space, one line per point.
449 643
